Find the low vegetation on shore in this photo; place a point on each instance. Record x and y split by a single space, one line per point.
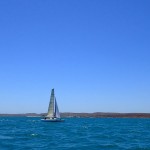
86 115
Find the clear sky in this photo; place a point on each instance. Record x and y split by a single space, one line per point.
95 53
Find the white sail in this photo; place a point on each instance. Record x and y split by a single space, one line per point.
57 114
50 113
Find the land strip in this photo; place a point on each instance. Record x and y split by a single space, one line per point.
85 115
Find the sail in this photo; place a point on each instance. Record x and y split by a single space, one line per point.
51 105
57 114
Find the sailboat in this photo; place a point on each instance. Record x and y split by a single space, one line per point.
53 114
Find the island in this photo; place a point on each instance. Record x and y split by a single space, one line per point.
84 115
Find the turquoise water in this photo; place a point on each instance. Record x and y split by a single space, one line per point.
23 133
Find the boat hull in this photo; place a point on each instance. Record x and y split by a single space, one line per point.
52 120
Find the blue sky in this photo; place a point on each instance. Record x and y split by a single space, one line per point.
95 53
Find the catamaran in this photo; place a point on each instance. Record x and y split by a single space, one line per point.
53 114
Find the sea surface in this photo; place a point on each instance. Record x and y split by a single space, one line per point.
29 133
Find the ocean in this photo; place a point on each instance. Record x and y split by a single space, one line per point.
29 133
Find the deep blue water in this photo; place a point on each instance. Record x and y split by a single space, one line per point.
23 133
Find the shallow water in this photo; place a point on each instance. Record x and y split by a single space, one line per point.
29 133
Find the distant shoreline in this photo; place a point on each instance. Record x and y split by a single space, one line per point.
84 115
